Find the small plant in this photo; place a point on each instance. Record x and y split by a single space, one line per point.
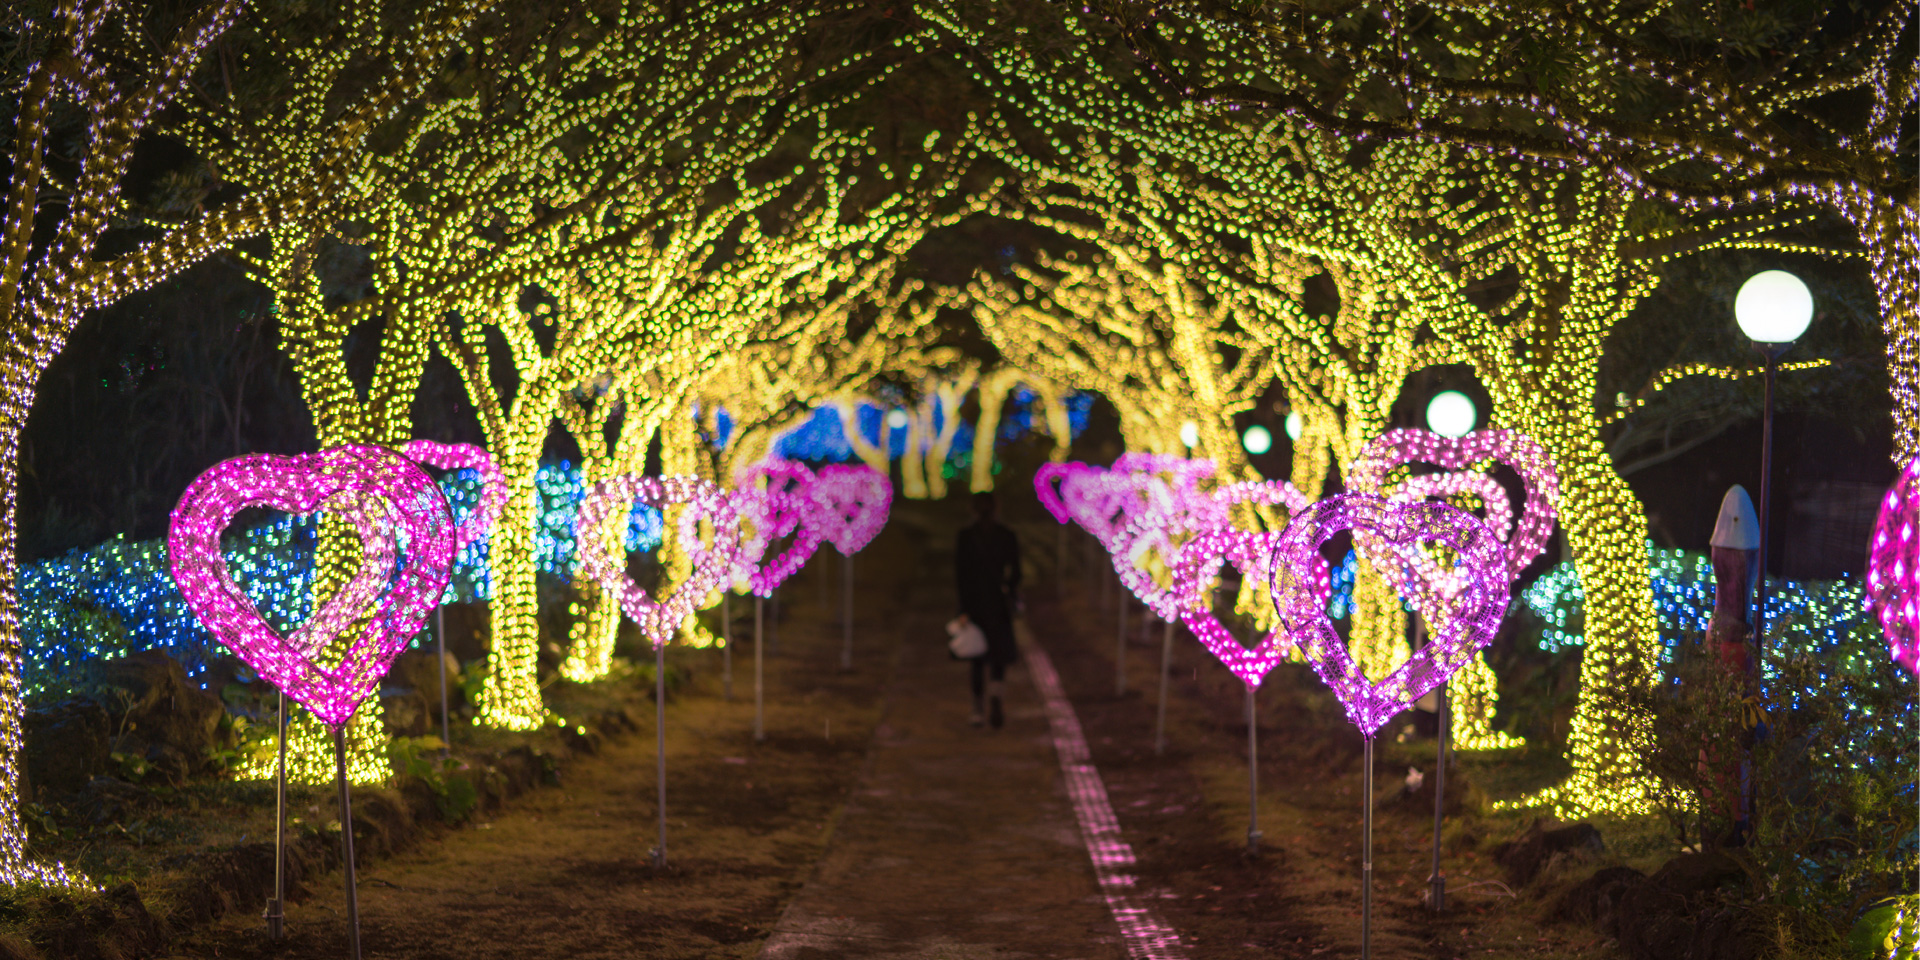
420 757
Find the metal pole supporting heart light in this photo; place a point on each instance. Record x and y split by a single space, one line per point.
1194 569
770 499
847 506
1472 614
407 537
276 915
712 563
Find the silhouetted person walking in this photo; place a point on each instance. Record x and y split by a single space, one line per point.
986 567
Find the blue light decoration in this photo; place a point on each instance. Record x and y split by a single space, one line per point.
117 598
1016 421
1825 620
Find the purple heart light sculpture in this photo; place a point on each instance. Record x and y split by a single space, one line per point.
1535 467
1153 538
404 525
1893 568
659 618
1474 613
1198 562
1051 481
466 456
771 500
847 506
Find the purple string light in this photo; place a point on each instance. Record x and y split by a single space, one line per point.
407 535
711 562
1472 615
1893 568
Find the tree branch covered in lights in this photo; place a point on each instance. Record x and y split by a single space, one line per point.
1702 107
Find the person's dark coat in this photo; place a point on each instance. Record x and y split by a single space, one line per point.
986 566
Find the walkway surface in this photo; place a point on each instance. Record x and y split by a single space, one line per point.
958 843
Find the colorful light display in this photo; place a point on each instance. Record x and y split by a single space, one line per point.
1194 570
711 559
1474 614
1474 701
1893 568
407 534
465 456
847 505
771 499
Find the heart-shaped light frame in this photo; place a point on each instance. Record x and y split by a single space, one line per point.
1194 568
847 506
466 456
1893 568
1051 481
1473 614
711 562
407 534
771 499
1511 447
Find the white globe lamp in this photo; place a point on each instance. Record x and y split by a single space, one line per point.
1450 414
1295 425
1257 440
1773 309
896 419
1190 434
1773 306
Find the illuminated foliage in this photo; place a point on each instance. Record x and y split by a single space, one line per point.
1689 105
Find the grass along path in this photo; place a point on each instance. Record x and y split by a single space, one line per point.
564 873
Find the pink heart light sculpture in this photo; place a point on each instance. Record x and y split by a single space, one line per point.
406 531
711 562
1194 569
847 506
1511 447
1473 614
466 456
1156 534
1277 493
771 500
1045 478
1893 568
1184 472
1094 500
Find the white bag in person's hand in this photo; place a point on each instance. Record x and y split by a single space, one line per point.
968 642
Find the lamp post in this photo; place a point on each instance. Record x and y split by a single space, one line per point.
1450 414
1773 309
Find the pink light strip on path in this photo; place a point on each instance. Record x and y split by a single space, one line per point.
1146 937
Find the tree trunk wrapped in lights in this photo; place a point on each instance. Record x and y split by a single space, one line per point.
45 293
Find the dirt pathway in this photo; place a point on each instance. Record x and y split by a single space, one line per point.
563 873
959 842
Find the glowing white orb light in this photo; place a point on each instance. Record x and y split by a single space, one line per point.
1450 414
1295 424
1773 306
1257 440
1190 434
897 419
